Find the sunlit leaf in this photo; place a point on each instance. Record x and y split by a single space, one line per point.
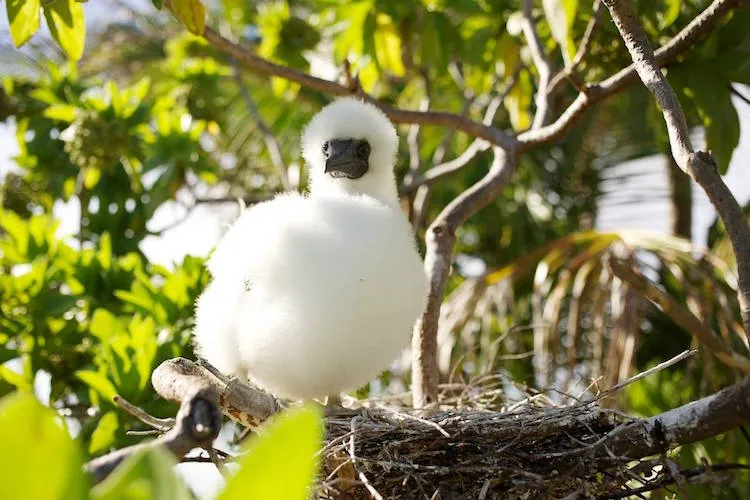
560 15
192 13
146 475
62 112
104 434
66 25
23 17
98 383
39 458
280 463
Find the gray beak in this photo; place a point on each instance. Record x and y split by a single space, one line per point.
346 158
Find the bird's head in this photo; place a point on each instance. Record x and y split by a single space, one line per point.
350 147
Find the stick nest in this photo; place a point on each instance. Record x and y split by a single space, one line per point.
530 451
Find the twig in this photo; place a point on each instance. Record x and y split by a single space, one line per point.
397 115
739 94
247 200
434 425
690 474
440 238
583 48
161 424
542 66
477 147
702 24
661 366
197 424
362 477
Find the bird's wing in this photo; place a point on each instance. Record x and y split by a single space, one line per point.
250 241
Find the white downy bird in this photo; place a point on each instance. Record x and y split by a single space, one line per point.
312 296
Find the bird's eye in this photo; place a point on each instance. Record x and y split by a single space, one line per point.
363 150
326 150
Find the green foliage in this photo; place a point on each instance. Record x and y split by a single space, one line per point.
281 462
148 118
191 13
36 442
143 476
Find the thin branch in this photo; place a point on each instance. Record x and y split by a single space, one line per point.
397 115
440 239
739 94
699 165
474 149
644 374
583 49
274 150
695 475
701 25
542 66
197 424
161 424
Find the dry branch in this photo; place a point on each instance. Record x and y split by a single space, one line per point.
699 165
197 424
441 237
553 451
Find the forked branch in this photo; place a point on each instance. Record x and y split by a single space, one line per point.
698 164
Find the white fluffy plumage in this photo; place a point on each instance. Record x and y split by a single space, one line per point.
316 295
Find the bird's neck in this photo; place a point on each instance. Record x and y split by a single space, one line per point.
382 188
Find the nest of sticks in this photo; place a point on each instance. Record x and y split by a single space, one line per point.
477 447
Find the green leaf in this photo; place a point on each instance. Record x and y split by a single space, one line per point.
158 3
191 13
66 25
700 87
23 17
104 325
561 14
62 112
388 46
39 458
103 436
670 14
281 460
98 382
145 475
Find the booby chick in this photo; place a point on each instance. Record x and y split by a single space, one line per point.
315 295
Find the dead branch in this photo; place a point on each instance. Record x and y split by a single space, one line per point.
197 424
244 404
699 165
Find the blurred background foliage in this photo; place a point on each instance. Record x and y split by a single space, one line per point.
151 115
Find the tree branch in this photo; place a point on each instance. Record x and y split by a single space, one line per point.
440 239
197 424
702 24
542 66
699 165
397 115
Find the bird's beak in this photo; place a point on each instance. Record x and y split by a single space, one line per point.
343 161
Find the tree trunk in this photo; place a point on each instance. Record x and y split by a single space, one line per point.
680 199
